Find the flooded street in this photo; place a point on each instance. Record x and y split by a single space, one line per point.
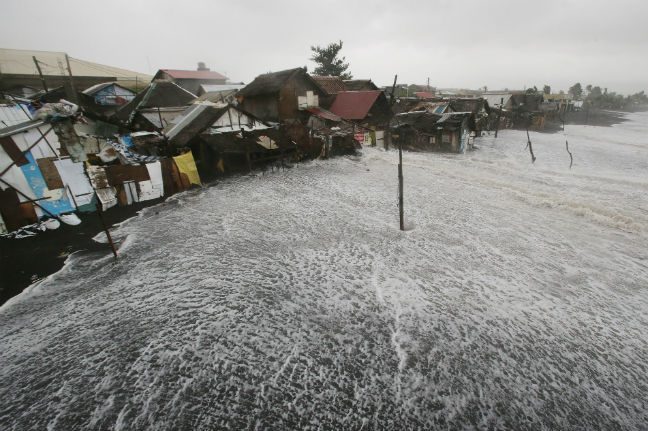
517 299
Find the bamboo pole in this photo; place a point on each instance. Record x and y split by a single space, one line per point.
40 73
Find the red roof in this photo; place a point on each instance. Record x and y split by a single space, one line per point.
193 74
424 95
354 105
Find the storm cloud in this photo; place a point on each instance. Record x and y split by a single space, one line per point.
467 44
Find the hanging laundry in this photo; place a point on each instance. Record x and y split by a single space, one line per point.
187 165
129 157
57 201
75 179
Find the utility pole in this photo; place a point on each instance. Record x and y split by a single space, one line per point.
75 98
400 166
40 73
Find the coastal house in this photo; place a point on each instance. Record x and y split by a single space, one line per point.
369 111
103 100
427 131
366 108
276 96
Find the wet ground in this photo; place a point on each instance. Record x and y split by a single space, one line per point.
516 300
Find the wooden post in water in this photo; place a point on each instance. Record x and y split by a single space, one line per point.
400 185
105 227
499 116
533 157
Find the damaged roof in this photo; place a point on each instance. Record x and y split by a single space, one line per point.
429 122
158 94
360 84
324 114
271 83
330 84
354 105
473 105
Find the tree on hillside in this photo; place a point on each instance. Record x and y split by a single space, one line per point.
328 62
576 91
546 89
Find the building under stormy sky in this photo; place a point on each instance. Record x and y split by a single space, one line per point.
497 43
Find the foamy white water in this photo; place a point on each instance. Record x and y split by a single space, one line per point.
518 300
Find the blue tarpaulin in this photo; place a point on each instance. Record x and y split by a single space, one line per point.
37 183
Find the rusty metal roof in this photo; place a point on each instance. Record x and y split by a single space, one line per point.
424 94
330 84
354 105
323 113
193 74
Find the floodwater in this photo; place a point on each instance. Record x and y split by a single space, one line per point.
516 299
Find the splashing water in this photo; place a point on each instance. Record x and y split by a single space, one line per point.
292 300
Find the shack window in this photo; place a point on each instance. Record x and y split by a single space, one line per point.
432 140
446 138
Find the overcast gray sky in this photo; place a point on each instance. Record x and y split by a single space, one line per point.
456 43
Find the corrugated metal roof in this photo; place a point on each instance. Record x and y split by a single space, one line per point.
330 84
11 114
323 113
354 105
21 127
193 74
